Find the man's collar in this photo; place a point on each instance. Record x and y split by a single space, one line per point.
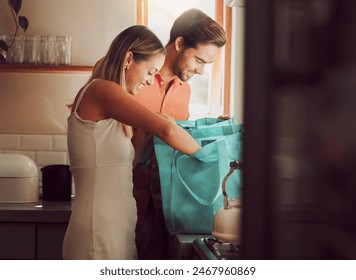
176 80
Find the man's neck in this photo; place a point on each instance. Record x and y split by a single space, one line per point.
167 76
166 71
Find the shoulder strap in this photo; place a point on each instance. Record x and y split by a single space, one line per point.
81 94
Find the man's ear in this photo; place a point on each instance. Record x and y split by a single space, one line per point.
178 43
128 59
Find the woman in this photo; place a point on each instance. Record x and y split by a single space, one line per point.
102 224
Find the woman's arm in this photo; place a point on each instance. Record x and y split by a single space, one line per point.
113 102
141 137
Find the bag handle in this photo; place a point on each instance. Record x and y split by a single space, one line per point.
215 132
207 122
222 162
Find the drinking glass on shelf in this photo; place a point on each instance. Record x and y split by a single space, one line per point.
49 49
64 49
33 48
18 49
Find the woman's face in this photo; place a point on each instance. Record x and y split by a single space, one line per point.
142 73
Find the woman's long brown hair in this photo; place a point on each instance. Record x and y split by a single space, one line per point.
139 40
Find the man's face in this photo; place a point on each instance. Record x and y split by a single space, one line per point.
191 61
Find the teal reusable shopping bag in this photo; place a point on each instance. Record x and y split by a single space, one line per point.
206 122
191 185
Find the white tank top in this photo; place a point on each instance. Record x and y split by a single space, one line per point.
103 220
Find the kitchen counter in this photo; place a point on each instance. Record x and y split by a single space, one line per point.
37 212
51 218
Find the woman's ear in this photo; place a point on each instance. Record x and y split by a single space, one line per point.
128 59
178 43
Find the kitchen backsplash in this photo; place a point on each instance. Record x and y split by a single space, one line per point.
42 149
34 112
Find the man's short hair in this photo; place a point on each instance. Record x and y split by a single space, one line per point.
197 28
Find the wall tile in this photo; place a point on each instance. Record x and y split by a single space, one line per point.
30 154
36 142
10 141
48 158
36 104
60 143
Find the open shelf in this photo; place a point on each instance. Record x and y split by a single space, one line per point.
65 69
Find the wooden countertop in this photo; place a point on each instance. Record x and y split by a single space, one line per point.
41 211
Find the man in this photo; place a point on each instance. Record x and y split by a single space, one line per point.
194 41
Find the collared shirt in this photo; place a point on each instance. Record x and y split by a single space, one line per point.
174 103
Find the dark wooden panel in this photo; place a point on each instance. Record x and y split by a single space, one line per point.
49 240
17 241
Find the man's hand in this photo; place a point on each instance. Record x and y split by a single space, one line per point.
224 117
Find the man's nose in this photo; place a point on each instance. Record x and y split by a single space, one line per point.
200 70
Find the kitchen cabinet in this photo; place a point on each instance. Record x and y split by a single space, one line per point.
33 231
17 241
49 239
30 241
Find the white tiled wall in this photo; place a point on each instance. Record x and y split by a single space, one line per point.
33 115
42 149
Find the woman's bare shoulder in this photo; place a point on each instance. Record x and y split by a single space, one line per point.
101 83
103 88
